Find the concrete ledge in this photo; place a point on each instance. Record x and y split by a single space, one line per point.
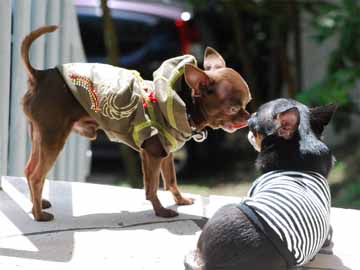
115 228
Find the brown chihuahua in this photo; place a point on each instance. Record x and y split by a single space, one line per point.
149 116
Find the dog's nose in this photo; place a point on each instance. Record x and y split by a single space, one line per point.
251 123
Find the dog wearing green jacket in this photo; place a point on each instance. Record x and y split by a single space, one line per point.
153 117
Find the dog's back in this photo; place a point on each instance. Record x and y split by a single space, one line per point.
231 241
292 209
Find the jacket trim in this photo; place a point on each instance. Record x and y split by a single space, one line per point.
153 122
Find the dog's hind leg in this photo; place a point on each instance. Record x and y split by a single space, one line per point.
168 173
47 147
33 161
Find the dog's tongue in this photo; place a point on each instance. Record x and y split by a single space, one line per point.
241 125
234 127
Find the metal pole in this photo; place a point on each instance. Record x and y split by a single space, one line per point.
5 59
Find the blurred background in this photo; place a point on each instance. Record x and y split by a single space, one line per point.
306 50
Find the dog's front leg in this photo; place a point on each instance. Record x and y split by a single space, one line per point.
170 183
152 155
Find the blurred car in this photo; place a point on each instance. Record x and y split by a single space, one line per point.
148 33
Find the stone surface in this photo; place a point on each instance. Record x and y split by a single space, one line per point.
115 228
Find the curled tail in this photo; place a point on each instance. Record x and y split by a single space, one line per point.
25 46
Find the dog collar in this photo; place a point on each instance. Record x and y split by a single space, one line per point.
198 136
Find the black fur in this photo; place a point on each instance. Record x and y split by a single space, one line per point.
229 240
305 150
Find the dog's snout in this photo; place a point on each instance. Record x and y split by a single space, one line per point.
252 122
245 114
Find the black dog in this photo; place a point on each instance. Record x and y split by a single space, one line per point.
284 221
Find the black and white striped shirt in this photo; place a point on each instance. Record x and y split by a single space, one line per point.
295 208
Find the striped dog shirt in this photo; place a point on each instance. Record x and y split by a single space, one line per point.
293 211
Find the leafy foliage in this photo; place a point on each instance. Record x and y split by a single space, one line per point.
340 22
349 196
255 36
336 87
346 192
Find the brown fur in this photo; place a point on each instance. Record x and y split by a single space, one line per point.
53 112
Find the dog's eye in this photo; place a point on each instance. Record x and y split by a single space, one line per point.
233 110
207 89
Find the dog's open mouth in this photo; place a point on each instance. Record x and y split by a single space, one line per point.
231 128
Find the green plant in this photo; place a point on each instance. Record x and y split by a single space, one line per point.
349 196
339 22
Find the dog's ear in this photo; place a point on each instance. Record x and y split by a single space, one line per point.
213 60
321 116
288 123
196 79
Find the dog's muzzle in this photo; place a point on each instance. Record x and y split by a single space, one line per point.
252 141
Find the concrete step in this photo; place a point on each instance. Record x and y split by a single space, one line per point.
115 228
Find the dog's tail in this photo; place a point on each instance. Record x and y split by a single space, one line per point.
25 46
193 261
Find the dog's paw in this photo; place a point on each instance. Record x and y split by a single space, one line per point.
166 213
45 204
45 216
184 201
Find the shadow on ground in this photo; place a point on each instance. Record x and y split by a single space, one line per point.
55 241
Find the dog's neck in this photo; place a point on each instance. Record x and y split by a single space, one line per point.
194 106
197 113
280 154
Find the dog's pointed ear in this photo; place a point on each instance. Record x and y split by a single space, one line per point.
196 79
213 60
288 123
320 116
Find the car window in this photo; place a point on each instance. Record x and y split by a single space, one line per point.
144 40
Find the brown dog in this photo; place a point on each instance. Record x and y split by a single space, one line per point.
218 100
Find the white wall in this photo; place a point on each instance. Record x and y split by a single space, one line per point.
55 48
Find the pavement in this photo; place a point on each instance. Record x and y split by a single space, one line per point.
102 226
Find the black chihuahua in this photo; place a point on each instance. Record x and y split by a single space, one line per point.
285 220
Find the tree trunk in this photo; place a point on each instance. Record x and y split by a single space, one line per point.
129 157
244 52
295 11
110 38
289 70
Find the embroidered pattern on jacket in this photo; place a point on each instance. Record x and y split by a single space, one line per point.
86 83
109 107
